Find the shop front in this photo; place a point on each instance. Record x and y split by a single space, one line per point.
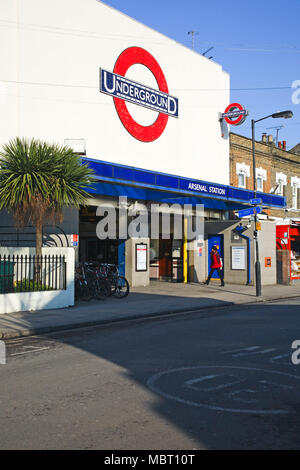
170 256
288 240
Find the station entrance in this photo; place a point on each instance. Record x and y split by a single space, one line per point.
91 248
166 260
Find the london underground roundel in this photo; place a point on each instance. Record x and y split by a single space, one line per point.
125 90
235 114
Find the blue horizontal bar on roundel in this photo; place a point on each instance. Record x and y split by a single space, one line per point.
120 87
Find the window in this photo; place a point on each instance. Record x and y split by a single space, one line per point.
261 176
279 189
242 180
281 181
295 183
259 183
295 196
242 171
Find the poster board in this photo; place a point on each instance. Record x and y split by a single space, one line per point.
238 258
141 257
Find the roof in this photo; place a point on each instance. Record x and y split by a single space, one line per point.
296 149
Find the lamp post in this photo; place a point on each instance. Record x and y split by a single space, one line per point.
285 115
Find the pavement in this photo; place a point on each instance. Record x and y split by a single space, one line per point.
160 298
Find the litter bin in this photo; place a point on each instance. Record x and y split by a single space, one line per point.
6 276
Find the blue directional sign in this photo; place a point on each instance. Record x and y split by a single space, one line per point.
256 201
251 211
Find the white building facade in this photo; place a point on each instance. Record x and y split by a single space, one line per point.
141 108
52 53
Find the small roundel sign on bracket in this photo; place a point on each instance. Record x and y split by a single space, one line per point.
123 90
235 114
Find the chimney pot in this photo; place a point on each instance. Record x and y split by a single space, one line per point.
279 145
270 139
284 144
264 138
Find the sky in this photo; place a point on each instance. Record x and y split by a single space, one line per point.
256 42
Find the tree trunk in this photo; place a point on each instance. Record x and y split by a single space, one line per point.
39 238
38 250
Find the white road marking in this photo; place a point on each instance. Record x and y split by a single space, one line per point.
234 396
28 352
152 381
264 351
190 384
284 387
251 348
277 358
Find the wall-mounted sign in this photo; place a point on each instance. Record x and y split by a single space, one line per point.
141 257
122 89
235 114
205 188
74 240
238 257
268 262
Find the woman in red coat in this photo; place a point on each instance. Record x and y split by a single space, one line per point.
215 264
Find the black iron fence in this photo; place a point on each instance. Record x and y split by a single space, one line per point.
27 273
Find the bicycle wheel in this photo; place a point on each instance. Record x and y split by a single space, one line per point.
121 287
86 293
102 289
77 289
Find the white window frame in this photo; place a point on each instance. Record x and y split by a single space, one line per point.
295 183
242 170
242 175
259 186
261 175
281 181
295 196
279 190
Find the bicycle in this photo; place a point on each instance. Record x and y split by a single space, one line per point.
119 284
82 287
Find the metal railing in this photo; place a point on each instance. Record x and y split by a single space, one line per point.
28 273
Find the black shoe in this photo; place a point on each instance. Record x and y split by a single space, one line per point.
222 285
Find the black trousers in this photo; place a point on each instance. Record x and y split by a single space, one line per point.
211 273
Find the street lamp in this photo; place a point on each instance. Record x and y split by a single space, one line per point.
285 115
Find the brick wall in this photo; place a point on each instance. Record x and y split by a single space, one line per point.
271 159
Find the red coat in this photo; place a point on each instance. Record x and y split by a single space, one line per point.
215 261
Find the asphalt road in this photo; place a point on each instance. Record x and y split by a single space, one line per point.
181 382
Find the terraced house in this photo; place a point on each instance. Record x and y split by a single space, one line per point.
277 172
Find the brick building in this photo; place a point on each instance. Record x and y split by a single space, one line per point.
277 171
296 149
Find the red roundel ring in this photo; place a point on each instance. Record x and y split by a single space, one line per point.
232 107
129 57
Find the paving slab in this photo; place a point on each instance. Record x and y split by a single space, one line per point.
160 298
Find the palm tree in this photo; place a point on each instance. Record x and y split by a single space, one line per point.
38 179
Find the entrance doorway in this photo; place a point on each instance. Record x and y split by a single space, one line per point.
218 241
166 260
91 248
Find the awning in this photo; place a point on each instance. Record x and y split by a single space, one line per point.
136 183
